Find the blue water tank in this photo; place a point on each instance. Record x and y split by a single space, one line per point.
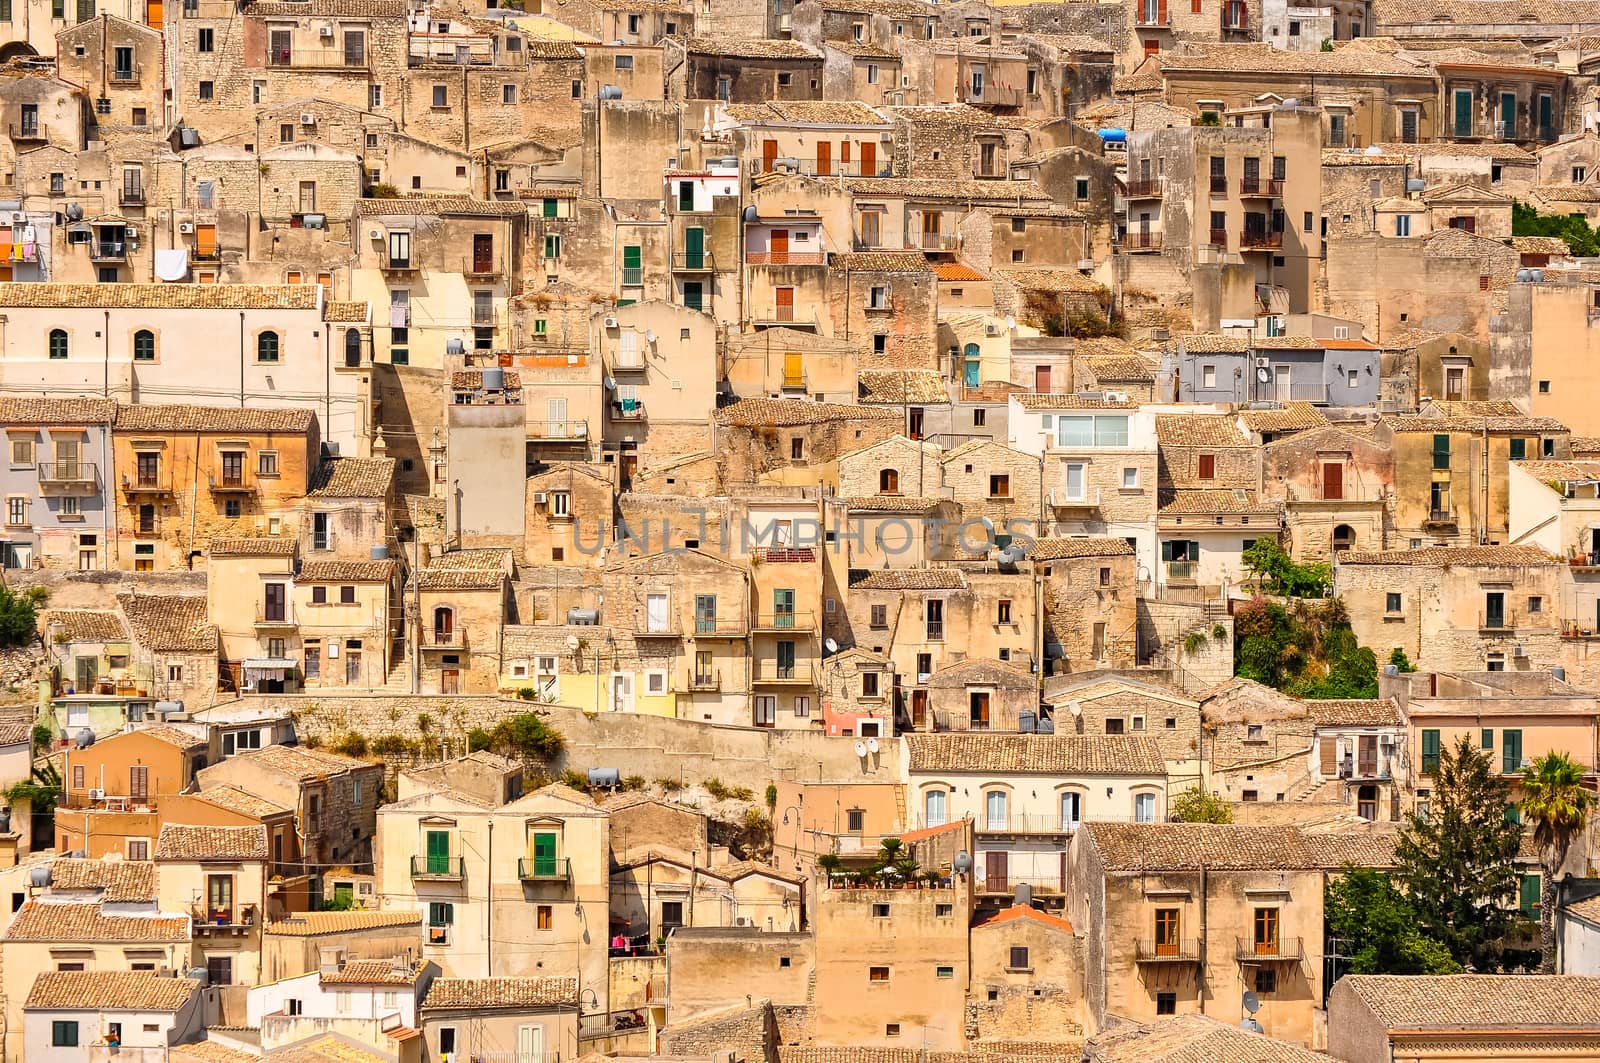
1116 136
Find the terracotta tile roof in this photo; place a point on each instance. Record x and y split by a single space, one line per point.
880 262
1265 59
957 271
108 991
1293 417
749 48
346 313
1354 157
809 112
420 206
301 764
162 296
862 50
1050 280
169 623
345 572
1540 245
1363 848
238 800
353 478
1192 1039
42 411
793 413
375 972
1353 712
1122 368
501 992
1475 424
1587 909
1561 471
254 546
176 737
1199 430
1209 343
1053 401
1480 1001
209 1052
1585 444
1210 500
891 387
546 48
1445 556
1496 149
458 579
1070 42
180 841
1001 193
331 1048
1003 1052
472 559
117 881
333 8
1185 846
1057 549
472 379
83 625
315 924
1021 911
912 579
47 921
210 418
891 503
893 9
1568 193
999 753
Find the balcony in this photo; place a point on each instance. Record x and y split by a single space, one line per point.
108 251
1084 500
1260 240
28 132
931 242
627 410
834 168
787 621
1217 238
131 196
1440 518
992 95
77 478
785 258
1180 951
438 869
231 485
709 683
126 75
1219 184
1182 571
544 869
1141 241
666 627
565 432
1284 950
1505 620
478 269
1145 188
274 617
319 59
1260 187
714 627
784 315
222 922
1588 562
1151 17
693 262
158 484
394 264
454 641
771 672
1024 823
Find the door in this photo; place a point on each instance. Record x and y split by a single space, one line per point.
780 246
444 625
276 601
279 45
785 659
438 852
450 681
1408 126
355 48
971 366
694 248
994 810
824 158
783 608
155 18
996 877
1367 803
978 709
139 784
1508 115
88 671
1071 810
769 155
1454 381
556 411
784 299
1266 925
544 854
1462 113
622 693
705 617
919 706
1494 609
1280 383
794 371
1328 757
1367 756
530 1044
934 809
352 666
656 612
1166 931
930 229
482 253
869 159
1332 480
1041 379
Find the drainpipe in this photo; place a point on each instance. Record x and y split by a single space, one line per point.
1200 982
105 387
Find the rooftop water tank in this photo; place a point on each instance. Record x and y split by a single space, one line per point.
494 377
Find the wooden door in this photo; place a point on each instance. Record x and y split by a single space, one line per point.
277 602
482 253
450 681
1328 757
1332 480
155 14
1041 379
824 158
794 371
919 709
1367 756
869 158
996 876
780 246
785 304
139 783
979 704
444 624
769 155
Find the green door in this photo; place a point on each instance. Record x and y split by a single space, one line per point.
785 660
694 248
783 608
1430 751
1463 112
1508 114
438 852
1510 752
632 265
544 854
1530 899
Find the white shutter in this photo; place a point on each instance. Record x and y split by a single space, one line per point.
530 1044
656 612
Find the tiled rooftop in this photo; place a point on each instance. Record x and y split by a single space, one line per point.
108 991
180 841
996 753
476 993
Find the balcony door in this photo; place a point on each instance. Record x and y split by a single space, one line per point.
996 872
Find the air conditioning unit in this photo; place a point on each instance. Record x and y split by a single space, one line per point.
1160 335
1263 363
308 119
97 795
374 234
540 498
1086 263
325 31
611 322
133 233
186 227
19 217
1519 650
991 330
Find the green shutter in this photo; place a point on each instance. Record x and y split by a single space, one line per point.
1441 451
632 265
550 208
1519 449
440 913
694 248
1530 899
1511 751
1463 112
438 852
1430 751
544 854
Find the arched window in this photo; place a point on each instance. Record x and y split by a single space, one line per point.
58 343
1071 809
144 346
444 623
995 809
935 810
1344 538
352 348
267 347
888 481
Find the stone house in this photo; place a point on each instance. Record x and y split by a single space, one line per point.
352 506
977 695
119 64
891 300
295 945
1555 506
857 693
921 397
175 647
127 1010
1361 749
1459 608
1117 705
1255 742
793 441
994 482
1090 607
781 362
1138 890
1334 484
461 607
221 874
896 466
1028 965
663 360
113 790
558 495
250 596
57 482
487 1017
347 616
492 97
654 897
742 70
1541 362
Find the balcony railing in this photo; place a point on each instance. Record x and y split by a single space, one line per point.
1141 241
319 59
1025 823
1183 950
1151 17
559 431
784 315
1445 516
931 242
626 410
444 640
1219 184
1145 188
714 626
786 621
1089 499
131 196
835 168
475 267
108 251
126 75
68 477
992 95
400 264
218 921
705 682
275 617
1501 621
772 672
1258 240
232 485
693 262
785 258
544 868
1260 186
159 484
438 869
1182 570
1217 237
28 131
1284 950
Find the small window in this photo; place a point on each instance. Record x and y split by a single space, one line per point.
441 96
855 820
891 1029
1253 733
1166 1003
267 347
1018 960
1080 188
874 974
999 485
1391 602
943 911
880 911
944 972
1130 479
58 343
207 90
623 62
546 917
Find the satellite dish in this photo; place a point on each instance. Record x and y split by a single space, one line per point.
861 749
962 862
1250 1025
572 644
84 739
1263 376
650 335
1011 322
1252 1003
1074 708
830 645
872 745
611 385
73 212
988 525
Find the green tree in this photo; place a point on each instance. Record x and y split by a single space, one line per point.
1457 862
1376 928
1275 568
528 735
19 615
1194 805
1556 802
1571 228
1398 658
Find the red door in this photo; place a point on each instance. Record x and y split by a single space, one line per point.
785 307
1041 379
780 246
824 158
869 159
1332 480
482 253
769 155
995 876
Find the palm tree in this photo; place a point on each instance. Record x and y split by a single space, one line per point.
1556 802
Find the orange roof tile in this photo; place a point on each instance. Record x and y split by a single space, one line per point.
957 271
1023 911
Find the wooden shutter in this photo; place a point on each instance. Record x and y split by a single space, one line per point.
1329 757
1161 13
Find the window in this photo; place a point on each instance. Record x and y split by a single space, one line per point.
944 972
22 452
64 1034
880 911
1080 187
1441 451
869 684
508 95
1430 751
207 41
58 343
891 1029
552 245
546 917
1208 376
999 485
441 96
1266 980
1166 1003
880 616
855 820
1207 467
874 974
207 90
1002 611
888 481
623 62
267 347
1392 602
267 463
1402 225
144 346
1144 808
17 510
